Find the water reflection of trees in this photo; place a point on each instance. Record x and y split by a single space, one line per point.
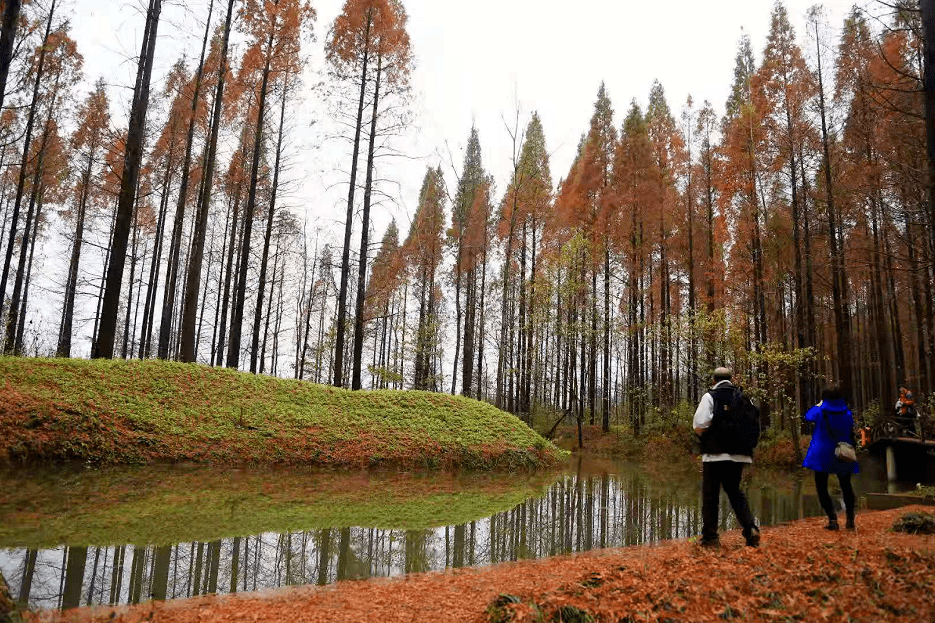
575 514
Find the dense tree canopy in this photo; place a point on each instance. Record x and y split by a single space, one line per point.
788 233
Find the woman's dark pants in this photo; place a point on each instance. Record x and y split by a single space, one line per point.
714 476
821 484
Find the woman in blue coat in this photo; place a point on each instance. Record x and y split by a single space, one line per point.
834 423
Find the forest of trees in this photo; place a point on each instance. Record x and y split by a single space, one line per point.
791 235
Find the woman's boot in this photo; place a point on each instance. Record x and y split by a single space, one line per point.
832 524
850 520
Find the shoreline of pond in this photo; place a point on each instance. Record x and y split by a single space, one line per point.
107 412
799 571
122 525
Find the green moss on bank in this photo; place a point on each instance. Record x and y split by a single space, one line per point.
161 505
111 412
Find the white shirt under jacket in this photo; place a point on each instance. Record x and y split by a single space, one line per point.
703 416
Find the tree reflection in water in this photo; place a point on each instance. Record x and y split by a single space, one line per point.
578 512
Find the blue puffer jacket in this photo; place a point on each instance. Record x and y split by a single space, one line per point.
833 423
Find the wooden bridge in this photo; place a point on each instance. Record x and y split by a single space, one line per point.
907 457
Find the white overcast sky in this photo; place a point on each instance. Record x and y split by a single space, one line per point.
473 59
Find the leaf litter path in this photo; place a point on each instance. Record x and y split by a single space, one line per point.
800 572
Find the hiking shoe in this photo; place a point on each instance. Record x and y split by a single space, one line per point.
710 543
850 523
753 539
832 525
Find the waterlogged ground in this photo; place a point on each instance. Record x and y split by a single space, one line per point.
80 537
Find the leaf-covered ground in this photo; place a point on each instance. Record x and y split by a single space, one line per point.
111 412
800 573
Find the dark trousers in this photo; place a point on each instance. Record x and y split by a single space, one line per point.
716 475
821 485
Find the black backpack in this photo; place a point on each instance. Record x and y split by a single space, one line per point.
736 421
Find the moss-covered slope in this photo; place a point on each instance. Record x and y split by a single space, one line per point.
111 412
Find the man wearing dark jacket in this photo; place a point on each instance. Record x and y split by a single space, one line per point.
723 456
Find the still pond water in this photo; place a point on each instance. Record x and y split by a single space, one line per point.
102 537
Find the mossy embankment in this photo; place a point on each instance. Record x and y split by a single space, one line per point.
118 412
165 504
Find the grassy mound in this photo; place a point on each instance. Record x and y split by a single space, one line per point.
166 504
111 412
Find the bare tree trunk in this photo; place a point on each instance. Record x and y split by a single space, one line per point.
842 323
349 222
21 183
228 275
204 299
133 259
149 308
18 345
7 35
104 348
233 349
258 312
928 35
71 285
269 310
172 269
14 319
365 238
187 347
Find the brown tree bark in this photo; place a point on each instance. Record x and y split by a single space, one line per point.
104 347
175 246
21 183
349 221
187 345
11 10
365 237
271 213
233 348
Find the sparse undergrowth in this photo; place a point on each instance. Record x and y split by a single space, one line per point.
111 412
915 523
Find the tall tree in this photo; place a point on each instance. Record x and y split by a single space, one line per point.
11 10
471 184
270 216
273 30
63 68
593 180
21 183
839 287
423 250
175 246
88 140
928 73
390 43
348 48
107 332
188 341
788 86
